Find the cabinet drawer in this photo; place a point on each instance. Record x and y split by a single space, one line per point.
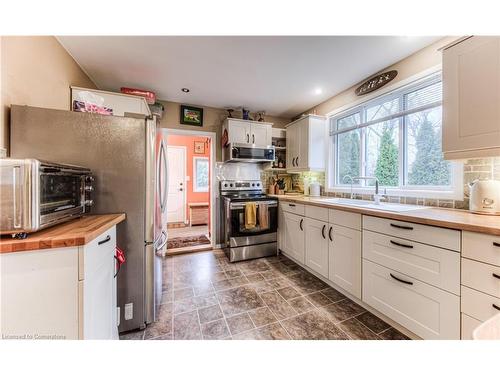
294 208
91 254
430 264
344 218
481 276
429 312
479 305
482 247
318 213
441 237
468 326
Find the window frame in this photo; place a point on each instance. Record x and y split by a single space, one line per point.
453 191
196 188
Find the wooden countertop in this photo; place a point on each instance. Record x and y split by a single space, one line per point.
76 232
441 217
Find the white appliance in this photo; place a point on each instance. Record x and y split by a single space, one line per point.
314 189
485 197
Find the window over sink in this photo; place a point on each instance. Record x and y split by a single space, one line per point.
395 137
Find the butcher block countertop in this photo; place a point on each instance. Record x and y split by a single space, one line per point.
76 232
441 217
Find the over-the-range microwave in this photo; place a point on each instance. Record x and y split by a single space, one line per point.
36 194
248 153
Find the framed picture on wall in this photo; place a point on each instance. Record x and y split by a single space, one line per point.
199 147
191 115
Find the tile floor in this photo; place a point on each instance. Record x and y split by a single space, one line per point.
206 297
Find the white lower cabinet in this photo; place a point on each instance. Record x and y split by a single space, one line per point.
64 293
429 312
430 264
344 259
317 246
293 237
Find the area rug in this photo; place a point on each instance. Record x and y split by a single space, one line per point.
177 242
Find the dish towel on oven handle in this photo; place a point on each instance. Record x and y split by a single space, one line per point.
263 216
250 215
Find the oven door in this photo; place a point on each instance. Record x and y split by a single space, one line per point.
61 195
240 234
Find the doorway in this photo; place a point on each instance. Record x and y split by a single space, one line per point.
190 200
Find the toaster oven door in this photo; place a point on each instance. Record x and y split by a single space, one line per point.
16 196
61 196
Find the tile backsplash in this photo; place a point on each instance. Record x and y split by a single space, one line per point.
485 168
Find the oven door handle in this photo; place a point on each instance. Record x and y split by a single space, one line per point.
236 206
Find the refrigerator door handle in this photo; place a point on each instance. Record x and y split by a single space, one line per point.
164 238
163 188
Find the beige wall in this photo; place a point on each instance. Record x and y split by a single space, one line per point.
36 71
212 121
421 60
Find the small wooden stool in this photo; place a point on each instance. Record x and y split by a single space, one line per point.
198 213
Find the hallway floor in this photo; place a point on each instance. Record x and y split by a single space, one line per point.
206 297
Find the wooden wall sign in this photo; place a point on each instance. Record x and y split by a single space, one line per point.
376 82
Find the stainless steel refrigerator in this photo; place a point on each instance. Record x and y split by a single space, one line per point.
127 156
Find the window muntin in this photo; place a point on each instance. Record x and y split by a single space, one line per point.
405 128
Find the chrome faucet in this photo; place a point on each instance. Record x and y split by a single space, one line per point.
350 178
376 196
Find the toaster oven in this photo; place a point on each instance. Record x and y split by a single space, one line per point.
36 194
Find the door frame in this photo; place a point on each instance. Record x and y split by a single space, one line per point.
213 183
184 190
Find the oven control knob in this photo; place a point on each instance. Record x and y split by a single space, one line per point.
253 184
89 202
230 185
89 179
258 184
89 188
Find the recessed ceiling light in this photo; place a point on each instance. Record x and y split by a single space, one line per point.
318 91
184 89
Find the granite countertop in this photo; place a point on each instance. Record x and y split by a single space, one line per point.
76 232
442 217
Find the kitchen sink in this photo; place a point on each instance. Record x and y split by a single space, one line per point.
394 207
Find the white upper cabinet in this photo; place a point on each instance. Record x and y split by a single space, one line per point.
306 142
471 98
248 132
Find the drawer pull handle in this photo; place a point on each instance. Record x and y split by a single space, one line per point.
300 224
291 205
495 275
400 280
497 244
496 307
402 244
401 226
330 234
107 239
323 231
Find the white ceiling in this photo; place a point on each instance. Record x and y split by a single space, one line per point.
283 75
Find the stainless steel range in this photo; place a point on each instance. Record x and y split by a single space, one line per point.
250 220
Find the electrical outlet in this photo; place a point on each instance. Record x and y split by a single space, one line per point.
117 316
129 311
